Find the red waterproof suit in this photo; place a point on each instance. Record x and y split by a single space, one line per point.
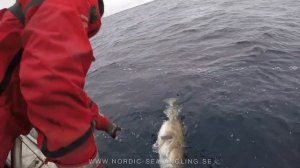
46 89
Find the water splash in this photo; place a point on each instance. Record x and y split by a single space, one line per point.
173 110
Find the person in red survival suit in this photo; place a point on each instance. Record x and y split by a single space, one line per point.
45 89
12 104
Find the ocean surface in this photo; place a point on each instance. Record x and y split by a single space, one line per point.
234 66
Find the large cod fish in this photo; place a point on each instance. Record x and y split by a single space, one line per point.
170 140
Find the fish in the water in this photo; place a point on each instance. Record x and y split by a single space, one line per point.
170 140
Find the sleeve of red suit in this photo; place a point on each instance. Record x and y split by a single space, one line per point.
57 55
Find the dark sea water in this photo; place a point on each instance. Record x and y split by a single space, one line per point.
234 66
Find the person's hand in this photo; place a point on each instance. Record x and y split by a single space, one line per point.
112 130
102 122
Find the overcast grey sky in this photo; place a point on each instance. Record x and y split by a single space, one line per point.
111 6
